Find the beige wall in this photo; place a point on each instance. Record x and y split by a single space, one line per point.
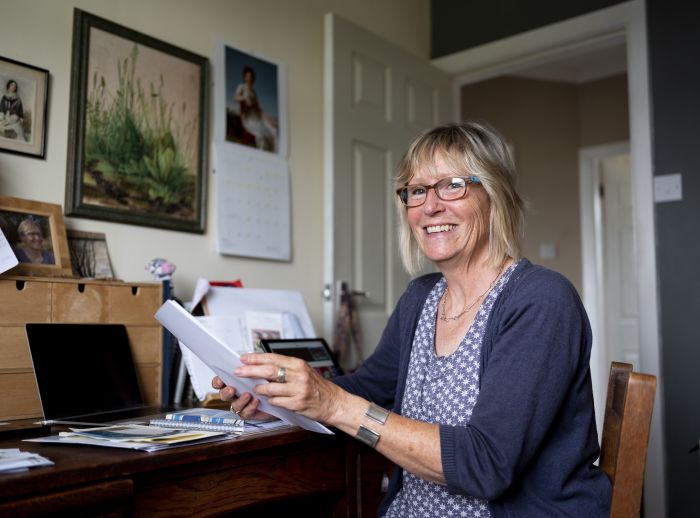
603 111
546 122
291 32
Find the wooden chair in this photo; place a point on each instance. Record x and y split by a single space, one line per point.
628 409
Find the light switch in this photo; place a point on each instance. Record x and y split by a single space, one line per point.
548 251
668 187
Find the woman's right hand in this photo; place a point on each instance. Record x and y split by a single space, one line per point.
245 405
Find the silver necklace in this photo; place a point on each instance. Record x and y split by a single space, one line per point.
444 316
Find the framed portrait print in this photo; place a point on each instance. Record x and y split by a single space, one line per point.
137 133
23 108
37 234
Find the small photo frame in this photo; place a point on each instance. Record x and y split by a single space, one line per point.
23 108
89 255
37 234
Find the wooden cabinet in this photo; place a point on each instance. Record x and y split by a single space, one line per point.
39 299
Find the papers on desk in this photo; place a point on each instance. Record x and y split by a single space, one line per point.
12 460
134 437
240 317
222 360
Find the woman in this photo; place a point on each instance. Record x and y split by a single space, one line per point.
12 112
252 116
32 249
485 366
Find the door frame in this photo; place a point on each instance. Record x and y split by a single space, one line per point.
626 20
591 259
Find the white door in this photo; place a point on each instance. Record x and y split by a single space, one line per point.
377 98
620 309
609 263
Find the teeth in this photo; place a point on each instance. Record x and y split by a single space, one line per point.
439 228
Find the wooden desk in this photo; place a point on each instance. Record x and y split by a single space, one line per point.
278 472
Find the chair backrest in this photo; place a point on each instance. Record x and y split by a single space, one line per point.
623 454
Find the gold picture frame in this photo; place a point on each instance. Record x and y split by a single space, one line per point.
37 233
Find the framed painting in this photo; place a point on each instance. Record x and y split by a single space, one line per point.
23 108
137 133
37 234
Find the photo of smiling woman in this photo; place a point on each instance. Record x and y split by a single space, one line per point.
33 246
479 389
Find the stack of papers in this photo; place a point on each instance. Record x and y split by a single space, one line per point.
12 459
133 436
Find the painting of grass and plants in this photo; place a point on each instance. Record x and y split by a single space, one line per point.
135 150
139 124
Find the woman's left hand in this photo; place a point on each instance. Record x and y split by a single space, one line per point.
293 385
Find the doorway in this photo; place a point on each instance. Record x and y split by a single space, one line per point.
539 46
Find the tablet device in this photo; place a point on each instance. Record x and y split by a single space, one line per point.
314 351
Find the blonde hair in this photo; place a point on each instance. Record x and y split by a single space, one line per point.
29 224
469 149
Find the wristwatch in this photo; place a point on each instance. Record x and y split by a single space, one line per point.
367 435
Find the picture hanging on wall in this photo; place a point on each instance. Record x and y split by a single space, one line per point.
254 101
23 108
137 132
37 233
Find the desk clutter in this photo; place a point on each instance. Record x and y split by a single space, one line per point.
13 460
135 437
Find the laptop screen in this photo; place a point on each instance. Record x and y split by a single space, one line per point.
314 351
83 369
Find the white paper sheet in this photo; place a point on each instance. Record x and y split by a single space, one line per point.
222 360
8 259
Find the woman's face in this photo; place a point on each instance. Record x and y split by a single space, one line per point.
449 232
32 237
248 77
12 87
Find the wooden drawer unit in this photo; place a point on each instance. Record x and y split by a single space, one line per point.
40 299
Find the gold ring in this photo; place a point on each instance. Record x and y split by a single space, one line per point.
281 375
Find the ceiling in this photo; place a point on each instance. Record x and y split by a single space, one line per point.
579 65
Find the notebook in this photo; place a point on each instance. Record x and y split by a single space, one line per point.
86 373
314 351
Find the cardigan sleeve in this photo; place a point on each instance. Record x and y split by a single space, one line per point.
534 369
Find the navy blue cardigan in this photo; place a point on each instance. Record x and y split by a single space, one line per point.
531 442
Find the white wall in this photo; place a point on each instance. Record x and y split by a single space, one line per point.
40 33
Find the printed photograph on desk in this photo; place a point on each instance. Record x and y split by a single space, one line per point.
89 255
138 128
37 235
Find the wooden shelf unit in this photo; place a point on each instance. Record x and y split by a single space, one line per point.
44 299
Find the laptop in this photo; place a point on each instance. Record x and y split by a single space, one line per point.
314 351
86 373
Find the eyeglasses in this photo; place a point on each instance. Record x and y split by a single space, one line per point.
447 189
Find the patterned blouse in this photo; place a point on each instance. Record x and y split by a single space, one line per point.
443 389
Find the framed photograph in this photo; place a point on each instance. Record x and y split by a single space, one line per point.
37 234
23 108
138 120
251 103
89 255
